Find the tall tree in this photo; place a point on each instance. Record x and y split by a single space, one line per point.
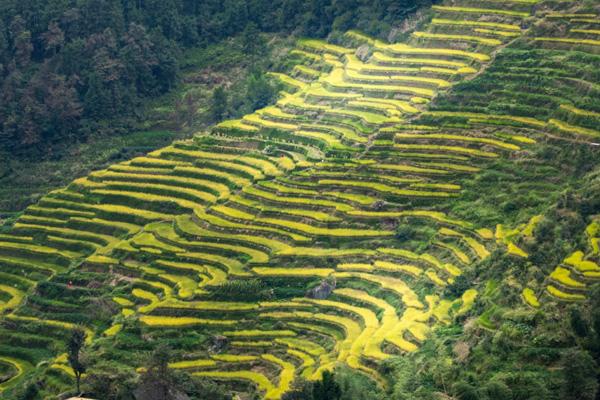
218 104
327 388
74 347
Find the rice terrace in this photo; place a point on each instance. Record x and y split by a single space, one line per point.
413 213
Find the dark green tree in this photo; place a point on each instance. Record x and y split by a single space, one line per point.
218 104
580 376
259 91
158 381
74 347
327 388
252 42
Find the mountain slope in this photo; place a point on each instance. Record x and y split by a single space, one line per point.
346 224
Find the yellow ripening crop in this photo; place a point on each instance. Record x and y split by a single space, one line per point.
562 295
410 169
234 168
593 233
329 139
305 54
233 266
315 230
200 363
564 277
265 166
187 225
468 299
55 324
259 333
530 297
379 187
355 74
509 34
336 79
233 358
328 126
288 80
576 260
237 124
441 21
307 71
402 49
19 365
316 215
286 376
572 41
151 198
463 38
411 270
123 301
113 330
187 287
434 277
365 116
297 200
292 272
434 215
460 138
479 116
395 285
354 267
202 185
256 119
211 305
573 129
567 15
261 381
214 220
33 249
382 58
480 11
303 345
307 361
477 247
444 149
579 111
253 343
317 90
456 251
368 317
513 249
16 296
161 321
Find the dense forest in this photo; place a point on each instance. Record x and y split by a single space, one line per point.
72 68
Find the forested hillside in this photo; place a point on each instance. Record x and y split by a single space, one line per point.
406 206
98 71
67 65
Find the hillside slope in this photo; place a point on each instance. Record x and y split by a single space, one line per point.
389 195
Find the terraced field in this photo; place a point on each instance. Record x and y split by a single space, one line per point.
333 205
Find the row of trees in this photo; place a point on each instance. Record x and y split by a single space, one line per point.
65 66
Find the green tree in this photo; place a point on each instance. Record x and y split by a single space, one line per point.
252 42
259 91
327 388
580 376
74 347
464 391
218 104
158 381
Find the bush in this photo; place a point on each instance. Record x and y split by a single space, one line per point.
241 289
